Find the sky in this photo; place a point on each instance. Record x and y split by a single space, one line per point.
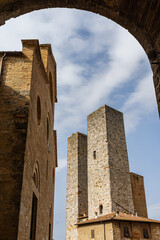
98 62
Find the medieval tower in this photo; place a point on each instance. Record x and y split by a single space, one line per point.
109 187
77 197
98 178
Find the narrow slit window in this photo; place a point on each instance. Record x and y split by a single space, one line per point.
47 129
145 233
100 208
38 110
49 232
92 234
94 154
33 218
126 232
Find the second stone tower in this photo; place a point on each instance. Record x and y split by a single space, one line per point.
109 185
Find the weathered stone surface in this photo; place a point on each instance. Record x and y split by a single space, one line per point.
25 145
138 193
77 192
108 173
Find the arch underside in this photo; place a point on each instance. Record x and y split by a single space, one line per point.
141 18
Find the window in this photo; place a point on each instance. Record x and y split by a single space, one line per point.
145 233
100 208
47 129
36 176
92 234
38 110
33 218
126 232
47 170
49 237
94 154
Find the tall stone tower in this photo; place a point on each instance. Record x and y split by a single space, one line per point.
77 193
109 185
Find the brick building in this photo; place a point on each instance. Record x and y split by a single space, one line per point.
104 200
28 151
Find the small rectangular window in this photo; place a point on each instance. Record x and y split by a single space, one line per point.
92 234
100 208
94 154
145 233
126 232
49 232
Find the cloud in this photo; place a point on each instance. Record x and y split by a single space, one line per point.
62 163
140 103
154 211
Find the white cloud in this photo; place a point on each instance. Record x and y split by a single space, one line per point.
154 211
140 103
62 163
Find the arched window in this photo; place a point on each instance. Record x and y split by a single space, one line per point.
36 176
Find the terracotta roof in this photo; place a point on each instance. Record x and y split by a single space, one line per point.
120 217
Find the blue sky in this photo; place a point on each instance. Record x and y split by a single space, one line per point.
98 63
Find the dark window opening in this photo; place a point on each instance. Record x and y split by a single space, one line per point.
100 208
47 129
33 218
94 154
38 110
47 170
126 232
145 233
92 234
49 237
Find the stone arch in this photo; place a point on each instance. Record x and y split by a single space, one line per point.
141 18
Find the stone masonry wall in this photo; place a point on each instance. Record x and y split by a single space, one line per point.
14 106
121 192
27 143
138 193
98 169
40 149
108 168
76 200
82 175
